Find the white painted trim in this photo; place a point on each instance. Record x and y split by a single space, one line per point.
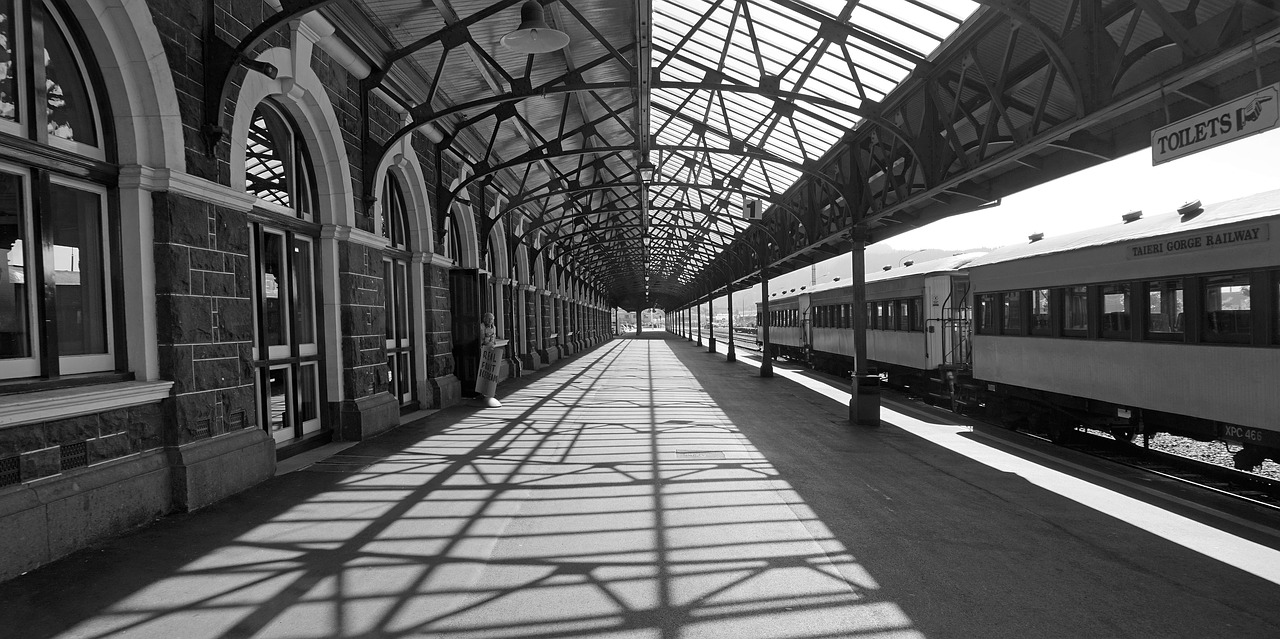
61 403
436 259
185 184
353 235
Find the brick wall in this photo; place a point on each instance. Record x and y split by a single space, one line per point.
204 315
363 320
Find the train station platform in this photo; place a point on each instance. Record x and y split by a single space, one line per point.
646 488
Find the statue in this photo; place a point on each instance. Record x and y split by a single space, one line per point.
488 332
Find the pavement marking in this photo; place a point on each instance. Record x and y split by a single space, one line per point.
1249 556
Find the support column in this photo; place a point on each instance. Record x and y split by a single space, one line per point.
766 361
549 353
864 396
730 355
698 319
711 322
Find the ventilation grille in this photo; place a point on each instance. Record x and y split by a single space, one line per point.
10 472
74 455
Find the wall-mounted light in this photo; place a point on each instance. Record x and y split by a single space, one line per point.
533 35
265 68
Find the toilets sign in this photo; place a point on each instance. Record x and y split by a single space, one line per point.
1254 113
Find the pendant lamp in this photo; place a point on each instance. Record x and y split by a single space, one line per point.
534 36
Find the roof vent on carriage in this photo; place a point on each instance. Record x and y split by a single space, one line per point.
887 267
1035 237
908 262
1190 210
1131 216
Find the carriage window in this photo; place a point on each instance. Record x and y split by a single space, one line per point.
904 315
1075 311
1227 313
1040 311
917 314
1164 310
846 318
1011 313
987 315
1114 300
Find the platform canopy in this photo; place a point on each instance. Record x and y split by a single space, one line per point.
628 155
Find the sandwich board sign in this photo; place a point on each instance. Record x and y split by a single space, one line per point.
1252 114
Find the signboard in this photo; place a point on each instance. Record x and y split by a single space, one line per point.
487 377
753 209
1216 238
1254 113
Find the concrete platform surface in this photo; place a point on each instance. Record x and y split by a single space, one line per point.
648 489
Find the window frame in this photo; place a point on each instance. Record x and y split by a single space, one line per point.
1124 331
42 162
1148 333
1207 335
1035 326
986 307
1065 294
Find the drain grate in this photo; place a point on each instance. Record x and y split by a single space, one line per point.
74 455
10 472
699 454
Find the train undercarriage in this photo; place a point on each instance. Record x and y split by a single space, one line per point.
1054 415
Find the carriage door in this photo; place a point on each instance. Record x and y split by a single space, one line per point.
464 305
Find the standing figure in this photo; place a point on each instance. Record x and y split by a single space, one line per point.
488 332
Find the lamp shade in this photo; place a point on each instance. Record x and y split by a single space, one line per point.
646 171
534 36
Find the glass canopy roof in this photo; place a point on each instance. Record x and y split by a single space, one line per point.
783 80
742 99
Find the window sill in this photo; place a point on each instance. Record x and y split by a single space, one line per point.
61 403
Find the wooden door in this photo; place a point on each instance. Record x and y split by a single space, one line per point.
464 306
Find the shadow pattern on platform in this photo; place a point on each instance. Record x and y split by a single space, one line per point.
609 498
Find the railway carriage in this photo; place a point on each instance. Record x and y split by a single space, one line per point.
917 323
1167 323
1163 323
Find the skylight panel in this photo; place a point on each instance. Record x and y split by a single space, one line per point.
893 31
914 14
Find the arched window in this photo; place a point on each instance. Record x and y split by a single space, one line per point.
56 287
278 171
277 166
398 297
395 216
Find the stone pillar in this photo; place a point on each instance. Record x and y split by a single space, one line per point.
204 333
529 306
438 386
549 352
366 408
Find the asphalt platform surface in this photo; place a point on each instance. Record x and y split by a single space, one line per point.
646 488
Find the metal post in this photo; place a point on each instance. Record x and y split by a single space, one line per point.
711 322
864 396
699 320
766 363
730 356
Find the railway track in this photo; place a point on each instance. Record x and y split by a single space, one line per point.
1221 479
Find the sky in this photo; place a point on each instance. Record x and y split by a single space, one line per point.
1087 199
1098 196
